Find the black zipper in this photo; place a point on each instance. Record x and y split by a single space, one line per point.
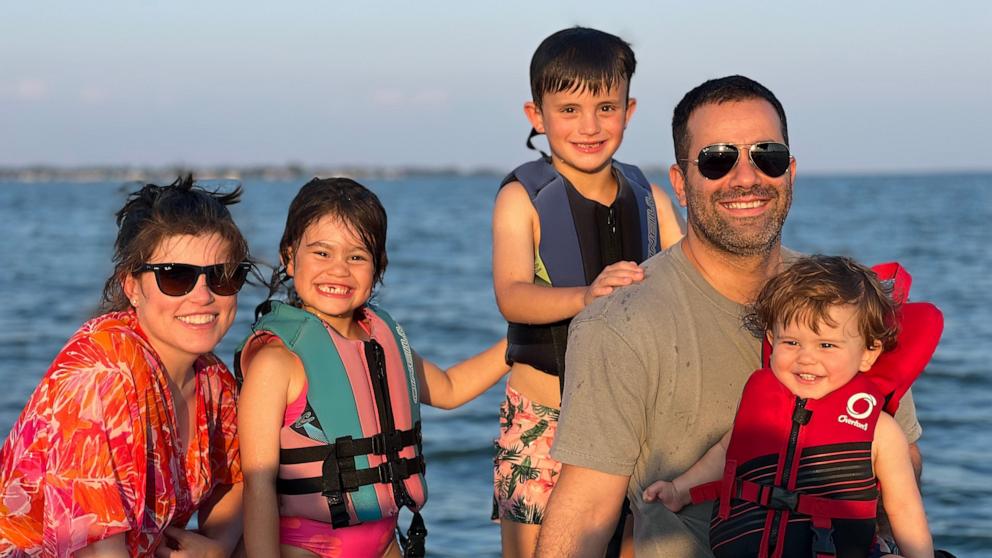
800 417
380 388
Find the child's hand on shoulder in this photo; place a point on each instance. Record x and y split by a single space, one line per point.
615 275
665 492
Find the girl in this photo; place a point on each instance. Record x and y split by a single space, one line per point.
329 408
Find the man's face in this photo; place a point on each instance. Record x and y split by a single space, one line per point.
741 213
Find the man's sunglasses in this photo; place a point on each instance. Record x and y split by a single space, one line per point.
178 279
715 161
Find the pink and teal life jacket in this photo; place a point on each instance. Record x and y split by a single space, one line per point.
354 454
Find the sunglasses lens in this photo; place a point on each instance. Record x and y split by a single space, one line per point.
715 161
176 280
771 158
226 281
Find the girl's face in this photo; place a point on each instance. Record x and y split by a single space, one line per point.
181 328
332 272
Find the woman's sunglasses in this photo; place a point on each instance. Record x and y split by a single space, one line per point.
178 279
715 161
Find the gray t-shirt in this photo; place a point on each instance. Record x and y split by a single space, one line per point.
655 372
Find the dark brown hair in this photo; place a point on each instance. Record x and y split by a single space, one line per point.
805 291
580 58
155 213
343 198
717 91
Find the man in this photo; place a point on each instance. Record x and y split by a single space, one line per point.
656 369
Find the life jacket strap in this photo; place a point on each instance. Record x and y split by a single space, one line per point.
413 544
338 478
379 444
778 498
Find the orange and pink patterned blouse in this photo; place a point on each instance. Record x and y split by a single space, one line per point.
96 450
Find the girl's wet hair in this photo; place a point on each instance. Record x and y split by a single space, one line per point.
342 198
155 213
805 292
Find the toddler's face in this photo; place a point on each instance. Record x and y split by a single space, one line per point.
812 364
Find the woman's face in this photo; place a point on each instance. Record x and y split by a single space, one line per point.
181 328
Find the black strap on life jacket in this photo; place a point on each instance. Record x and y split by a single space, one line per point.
340 473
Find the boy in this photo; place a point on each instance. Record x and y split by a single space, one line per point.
827 320
567 228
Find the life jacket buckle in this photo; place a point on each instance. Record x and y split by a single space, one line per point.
782 499
823 541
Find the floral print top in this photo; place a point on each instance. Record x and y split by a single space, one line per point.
96 451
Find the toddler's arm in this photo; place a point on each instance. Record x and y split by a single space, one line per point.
675 494
515 234
462 382
900 493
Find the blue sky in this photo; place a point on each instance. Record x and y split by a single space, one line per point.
868 86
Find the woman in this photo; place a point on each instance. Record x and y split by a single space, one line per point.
133 427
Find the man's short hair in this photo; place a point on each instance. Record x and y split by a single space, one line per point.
716 91
580 58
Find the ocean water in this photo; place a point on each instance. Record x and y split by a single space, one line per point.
57 240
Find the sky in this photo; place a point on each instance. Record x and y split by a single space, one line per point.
870 86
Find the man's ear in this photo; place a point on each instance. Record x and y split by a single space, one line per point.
677 178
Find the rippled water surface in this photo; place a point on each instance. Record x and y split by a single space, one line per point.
57 241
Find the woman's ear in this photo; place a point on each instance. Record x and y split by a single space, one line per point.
131 288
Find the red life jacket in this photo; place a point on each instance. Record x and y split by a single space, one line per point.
798 474
794 466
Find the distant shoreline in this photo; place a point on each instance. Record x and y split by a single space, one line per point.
297 172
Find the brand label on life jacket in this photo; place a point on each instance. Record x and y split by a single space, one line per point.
408 355
652 227
853 415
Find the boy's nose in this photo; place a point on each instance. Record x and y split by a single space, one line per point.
589 124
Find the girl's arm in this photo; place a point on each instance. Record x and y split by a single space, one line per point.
515 233
900 493
671 227
261 407
675 494
462 382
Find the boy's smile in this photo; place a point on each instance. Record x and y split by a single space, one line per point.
814 363
584 130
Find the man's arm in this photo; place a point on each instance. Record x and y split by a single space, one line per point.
582 513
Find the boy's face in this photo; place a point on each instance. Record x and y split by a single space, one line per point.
583 130
814 364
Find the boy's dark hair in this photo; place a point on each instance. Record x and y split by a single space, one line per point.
805 292
720 90
343 198
155 213
580 58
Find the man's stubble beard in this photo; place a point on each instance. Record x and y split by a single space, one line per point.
724 234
